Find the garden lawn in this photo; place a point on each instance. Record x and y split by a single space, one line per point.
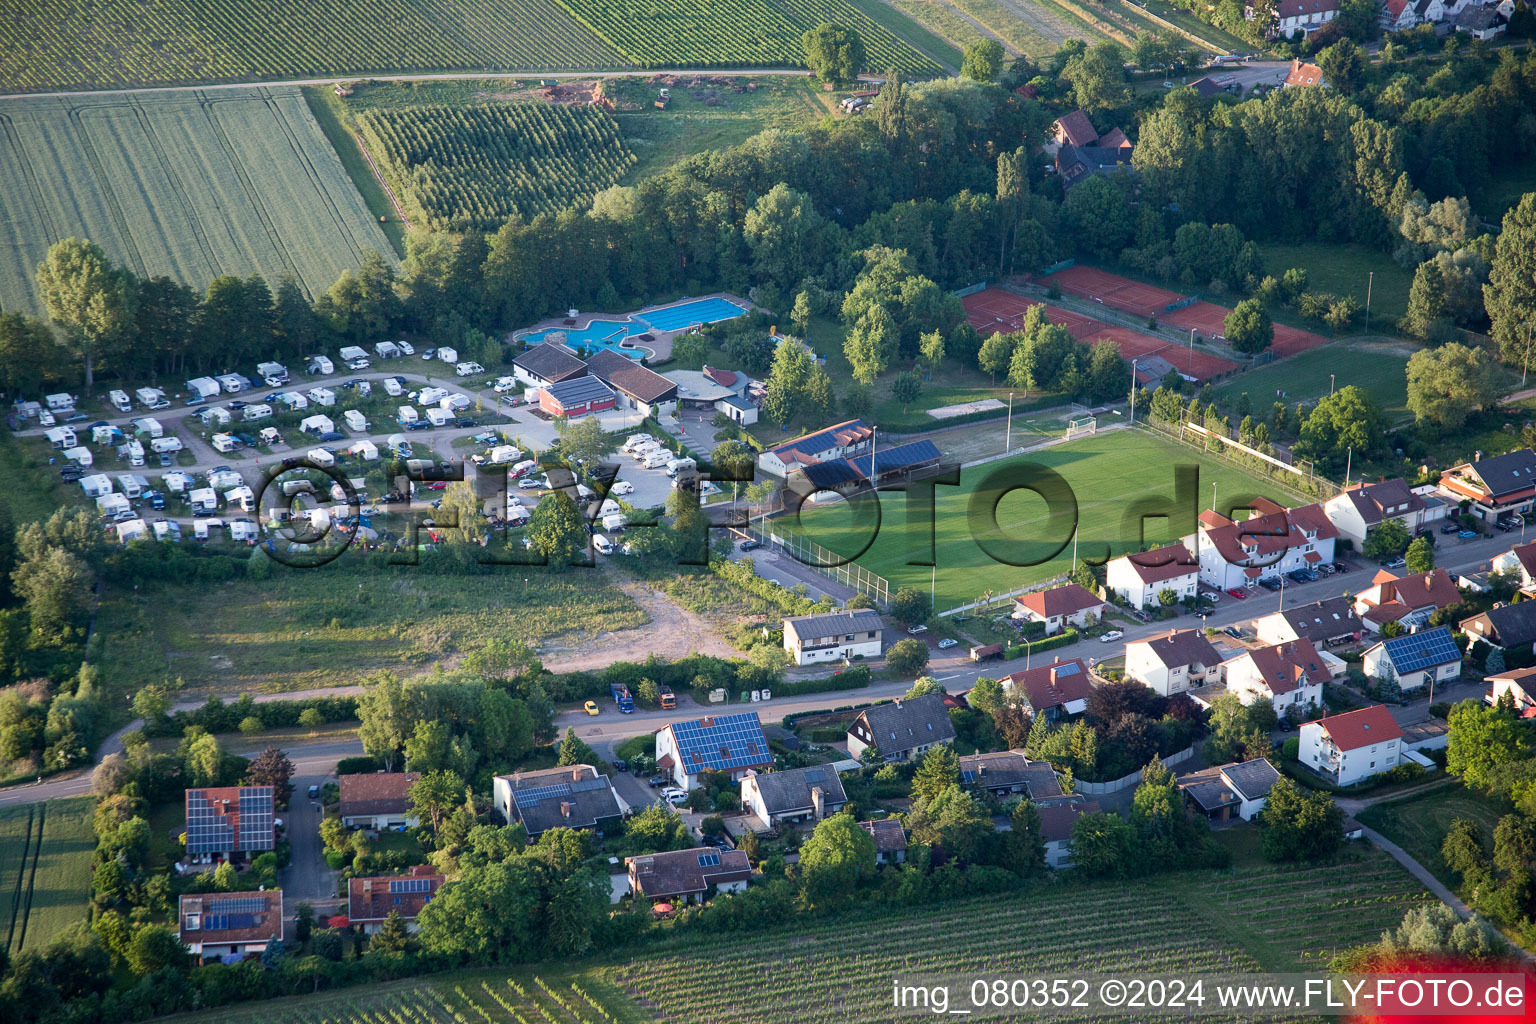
1107 472
192 186
1380 369
45 870
331 626
1345 270
1419 824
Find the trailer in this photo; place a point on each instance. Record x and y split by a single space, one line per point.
365 450
439 417
61 402
165 530
60 437
320 457
233 383
387 350
392 387
152 398
260 411
215 416
273 371
132 485
242 530
621 697
356 421
431 396
448 355
165 445
223 479
204 499
79 456
112 503
96 485
320 365
317 424
322 396
120 401
176 481
293 400
241 497
504 453
203 387
133 529
149 426
406 414
224 443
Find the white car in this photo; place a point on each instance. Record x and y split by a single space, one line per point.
528 483
917 630
623 487
1111 636
406 348
947 643
674 796
505 384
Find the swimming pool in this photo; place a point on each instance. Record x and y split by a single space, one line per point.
591 334
699 311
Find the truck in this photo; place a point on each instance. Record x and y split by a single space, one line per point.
668 701
622 698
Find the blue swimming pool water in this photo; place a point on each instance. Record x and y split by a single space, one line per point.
699 311
591 334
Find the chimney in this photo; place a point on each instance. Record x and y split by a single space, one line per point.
1477 456
565 809
819 801
707 722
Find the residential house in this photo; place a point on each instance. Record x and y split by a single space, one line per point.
378 800
1363 507
1520 559
903 729
1273 541
1303 75
1138 579
570 796
638 387
733 744
1057 690
1519 685
1495 487
547 363
1238 790
1415 660
1352 747
1074 129
1011 771
219 924
1509 627
1171 662
1398 16
1306 16
890 840
682 876
577 396
1326 623
1056 821
833 636
370 900
1428 11
1079 163
1060 608
1290 676
229 822
1483 23
849 438
1114 139
800 794
1409 599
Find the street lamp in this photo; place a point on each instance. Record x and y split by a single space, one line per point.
1370 280
1330 385
1008 431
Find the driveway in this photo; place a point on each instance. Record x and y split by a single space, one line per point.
307 877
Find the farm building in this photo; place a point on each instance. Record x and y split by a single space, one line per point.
572 796
800 794
229 822
577 396
1353 746
902 729
378 800
833 636
547 363
1227 791
682 876
725 743
213 925
371 900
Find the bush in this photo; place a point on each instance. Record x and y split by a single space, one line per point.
1036 646
358 765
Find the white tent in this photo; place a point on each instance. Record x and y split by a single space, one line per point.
293 400
224 479
365 450
133 529
96 485
151 426
317 424
386 350
207 387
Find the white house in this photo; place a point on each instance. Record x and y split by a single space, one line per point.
1175 661
733 744
1273 541
1519 685
800 794
1138 579
1415 660
833 636
1351 747
1060 608
1290 676
1519 559
1306 16
1408 599
1222 792
1398 15
842 440
1330 621
1363 507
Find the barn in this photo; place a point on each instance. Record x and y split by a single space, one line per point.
577 397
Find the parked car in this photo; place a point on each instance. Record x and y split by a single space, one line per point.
419 425
656 782
1341 567
1463 534
313 792
590 706
1450 526
1233 632
674 796
1238 592
429 354
751 545
620 765
465 421
1398 563
1269 583
947 643
1111 636
917 630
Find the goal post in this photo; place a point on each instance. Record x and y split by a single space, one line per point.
1081 426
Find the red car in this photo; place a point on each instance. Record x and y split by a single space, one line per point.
1239 593
437 485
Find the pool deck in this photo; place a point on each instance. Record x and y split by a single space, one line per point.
660 350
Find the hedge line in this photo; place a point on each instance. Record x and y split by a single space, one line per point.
739 574
1035 646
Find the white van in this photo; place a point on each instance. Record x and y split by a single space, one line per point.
224 443
468 369
674 466
615 521
135 453
657 459
603 545
120 401
232 383
355 420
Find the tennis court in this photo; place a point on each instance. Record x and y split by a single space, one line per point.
1114 291
1206 317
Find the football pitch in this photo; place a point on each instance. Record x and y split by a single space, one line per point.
190 185
989 536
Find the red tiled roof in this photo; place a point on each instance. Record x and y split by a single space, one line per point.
1390 611
1396 8
1526 553
1422 590
1304 74
1078 129
376 793
1064 600
1355 729
1047 687
370 899
1113 139
1270 531
725 378
1163 563
1287 667
1056 820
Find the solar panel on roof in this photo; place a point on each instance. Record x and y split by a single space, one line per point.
529 797
1417 651
709 860
405 885
243 905
588 785
1066 668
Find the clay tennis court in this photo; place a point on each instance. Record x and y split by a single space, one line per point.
1206 317
994 310
1114 291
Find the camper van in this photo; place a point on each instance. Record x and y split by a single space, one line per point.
203 387
431 396
321 365
166 530
152 398
60 437
242 529
120 401
468 369
615 521
61 402
135 453
241 497
224 443
132 485
682 465
261 411
322 396
526 466
603 545
96 485
387 350
163 445
392 387
504 453
354 357
355 420
657 459
321 457
293 400
273 374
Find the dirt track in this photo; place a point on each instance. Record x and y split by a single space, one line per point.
673 632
